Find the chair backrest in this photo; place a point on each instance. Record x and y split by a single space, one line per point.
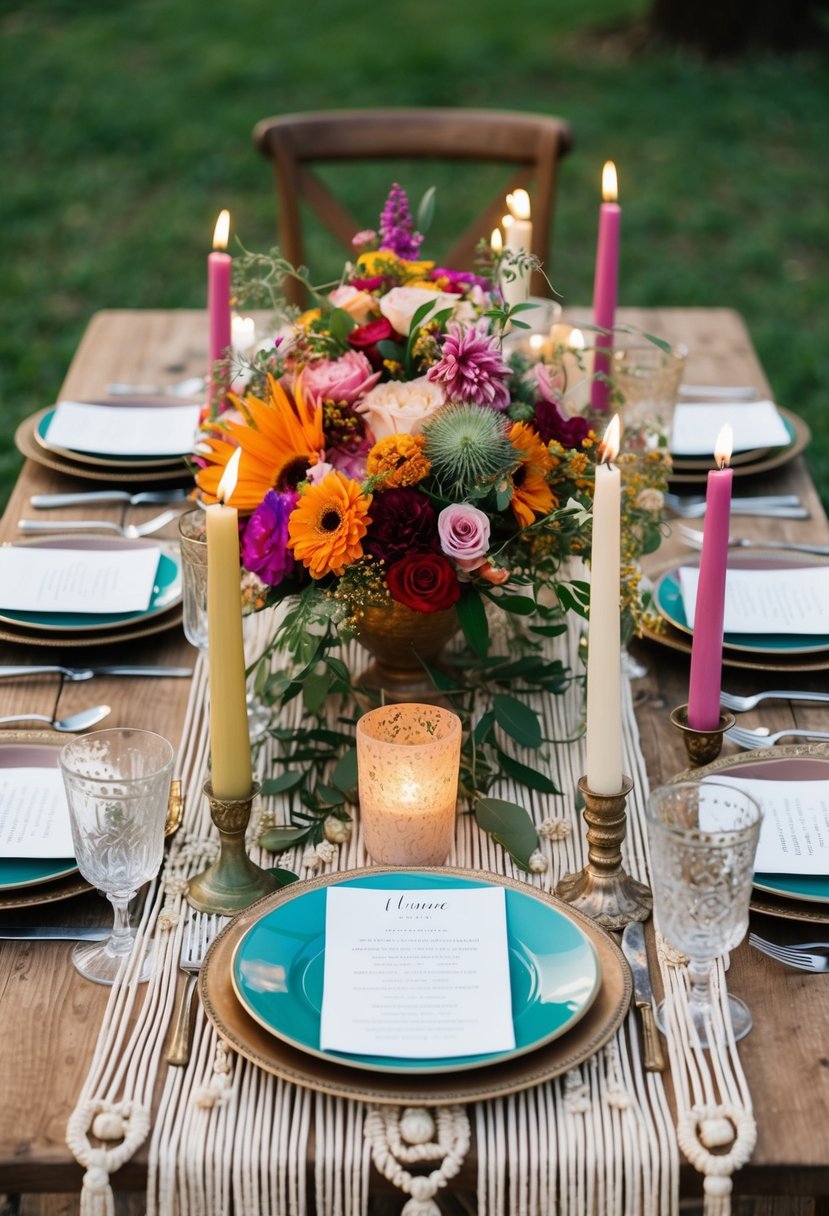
531 143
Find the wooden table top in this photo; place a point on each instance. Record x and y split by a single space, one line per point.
50 1016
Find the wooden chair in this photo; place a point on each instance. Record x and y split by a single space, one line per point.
531 143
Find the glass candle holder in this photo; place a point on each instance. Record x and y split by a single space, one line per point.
407 761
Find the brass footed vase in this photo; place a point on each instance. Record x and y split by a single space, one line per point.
398 639
233 881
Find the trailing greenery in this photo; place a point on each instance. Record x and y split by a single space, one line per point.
130 129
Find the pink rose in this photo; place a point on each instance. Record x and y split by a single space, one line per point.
400 407
464 534
346 379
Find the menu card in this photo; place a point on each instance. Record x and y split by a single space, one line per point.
118 430
792 600
34 817
794 834
756 424
43 579
416 974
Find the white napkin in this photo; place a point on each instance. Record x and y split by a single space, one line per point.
112 430
45 579
757 424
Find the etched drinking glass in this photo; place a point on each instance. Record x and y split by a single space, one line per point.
703 839
117 787
193 537
648 377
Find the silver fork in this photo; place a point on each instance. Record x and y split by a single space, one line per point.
130 531
198 935
739 705
693 537
780 506
753 738
144 498
807 956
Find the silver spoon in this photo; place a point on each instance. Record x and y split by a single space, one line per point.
71 724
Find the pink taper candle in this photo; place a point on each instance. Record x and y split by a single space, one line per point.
219 265
605 284
706 651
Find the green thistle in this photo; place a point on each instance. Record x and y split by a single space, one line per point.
468 447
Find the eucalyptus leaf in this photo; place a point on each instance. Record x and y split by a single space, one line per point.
472 616
278 785
518 605
315 691
392 351
517 720
328 796
283 877
344 775
510 825
426 210
277 840
526 775
483 727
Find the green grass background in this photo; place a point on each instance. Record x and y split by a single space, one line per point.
127 127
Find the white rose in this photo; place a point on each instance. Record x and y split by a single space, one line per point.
400 407
358 304
400 304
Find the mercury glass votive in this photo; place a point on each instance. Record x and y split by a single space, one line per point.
407 761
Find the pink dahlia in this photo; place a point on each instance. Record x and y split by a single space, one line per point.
471 369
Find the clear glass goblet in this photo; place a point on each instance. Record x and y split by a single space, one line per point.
117 787
193 535
703 839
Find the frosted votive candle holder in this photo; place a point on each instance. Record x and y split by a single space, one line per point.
408 758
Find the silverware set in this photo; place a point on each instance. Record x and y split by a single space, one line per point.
761 737
806 956
73 724
199 933
145 498
769 506
80 674
130 531
693 537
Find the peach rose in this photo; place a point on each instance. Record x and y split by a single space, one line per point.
400 407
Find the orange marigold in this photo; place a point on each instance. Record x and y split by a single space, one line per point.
531 494
400 458
326 527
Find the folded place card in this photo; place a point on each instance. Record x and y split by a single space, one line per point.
756 424
416 974
794 834
791 601
112 430
34 816
44 579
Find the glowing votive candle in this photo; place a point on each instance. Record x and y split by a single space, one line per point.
408 758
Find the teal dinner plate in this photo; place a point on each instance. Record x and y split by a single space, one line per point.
31 871
814 888
278 971
668 599
134 460
165 595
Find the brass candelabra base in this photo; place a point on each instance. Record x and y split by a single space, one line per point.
604 890
701 746
233 881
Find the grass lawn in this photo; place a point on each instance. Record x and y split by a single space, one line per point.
128 127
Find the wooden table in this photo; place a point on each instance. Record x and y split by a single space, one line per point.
50 1016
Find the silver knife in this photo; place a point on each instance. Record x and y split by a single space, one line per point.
86 673
633 948
69 933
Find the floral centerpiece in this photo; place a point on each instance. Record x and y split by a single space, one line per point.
396 460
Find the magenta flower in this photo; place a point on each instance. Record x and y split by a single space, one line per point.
471 369
550 420
402 522
396 226
265 541
464 534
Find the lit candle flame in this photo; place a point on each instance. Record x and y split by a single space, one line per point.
610 185
576 340
227 485
519 204
507 221
537 343
222 230
496 242
609 446
724 446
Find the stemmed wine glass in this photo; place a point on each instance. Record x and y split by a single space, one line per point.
703 838
117 786
193 536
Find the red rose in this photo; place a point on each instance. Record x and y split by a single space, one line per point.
370 334
424 582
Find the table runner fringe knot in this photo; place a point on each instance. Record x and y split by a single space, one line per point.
227 1136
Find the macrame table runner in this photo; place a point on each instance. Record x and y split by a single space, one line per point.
226 1136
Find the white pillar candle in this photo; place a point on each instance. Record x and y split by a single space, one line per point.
519 238
604 651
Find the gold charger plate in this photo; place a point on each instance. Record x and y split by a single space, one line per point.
253 1042
28 446
767 458
765 901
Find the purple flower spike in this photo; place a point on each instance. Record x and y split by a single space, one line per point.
265 542
396 226
471 369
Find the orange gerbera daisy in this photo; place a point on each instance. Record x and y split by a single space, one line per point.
280 439
326 527
531 494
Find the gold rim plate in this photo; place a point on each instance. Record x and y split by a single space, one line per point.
255 1043
26 444
766 458
106 462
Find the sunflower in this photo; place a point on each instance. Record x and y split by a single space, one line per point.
328 523
279 439
531 494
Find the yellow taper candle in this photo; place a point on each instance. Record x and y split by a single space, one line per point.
229 737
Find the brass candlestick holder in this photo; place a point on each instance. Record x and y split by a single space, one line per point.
233 881
604 890
701 746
